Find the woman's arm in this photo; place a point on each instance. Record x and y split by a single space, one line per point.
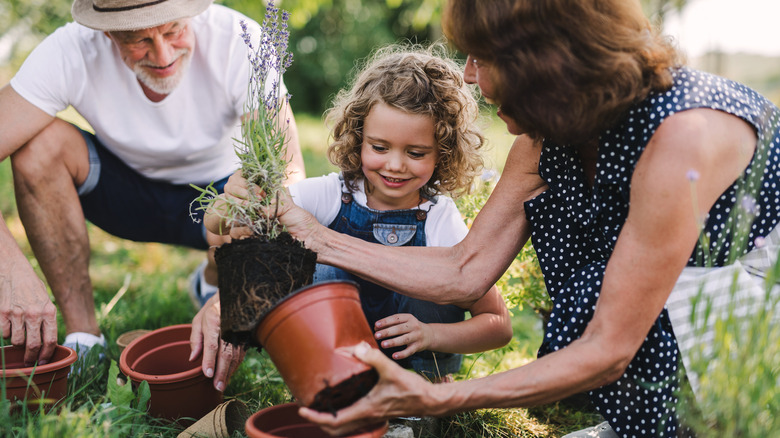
488 328
455 275
653 247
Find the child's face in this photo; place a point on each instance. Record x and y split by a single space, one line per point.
399 154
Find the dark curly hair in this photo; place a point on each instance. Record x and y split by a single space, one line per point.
563 69
416 80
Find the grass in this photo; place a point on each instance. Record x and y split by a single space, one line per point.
150 282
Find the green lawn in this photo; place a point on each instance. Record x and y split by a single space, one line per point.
153 281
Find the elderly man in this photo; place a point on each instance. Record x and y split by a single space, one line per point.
163 85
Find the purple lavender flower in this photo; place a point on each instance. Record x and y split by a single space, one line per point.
262 147
750 205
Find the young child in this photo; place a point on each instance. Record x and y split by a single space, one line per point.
402 135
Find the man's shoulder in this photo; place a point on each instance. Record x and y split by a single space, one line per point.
219 17
74 32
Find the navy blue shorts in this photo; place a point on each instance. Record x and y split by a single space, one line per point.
129 205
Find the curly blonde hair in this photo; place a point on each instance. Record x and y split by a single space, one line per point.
564 69
416 80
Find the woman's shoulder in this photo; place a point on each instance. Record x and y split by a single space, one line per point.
621 146
698 89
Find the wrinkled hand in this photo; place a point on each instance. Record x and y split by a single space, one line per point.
298 222
398 393
205 339
27 314
403 329
236 187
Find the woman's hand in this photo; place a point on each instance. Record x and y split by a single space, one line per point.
398 393
297 221
404 329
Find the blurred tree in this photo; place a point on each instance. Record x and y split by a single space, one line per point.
329 36
657 9
24 23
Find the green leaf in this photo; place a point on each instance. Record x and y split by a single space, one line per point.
144 394
119 395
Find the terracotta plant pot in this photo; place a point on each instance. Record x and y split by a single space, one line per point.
283 421
49 382
301 334
178 387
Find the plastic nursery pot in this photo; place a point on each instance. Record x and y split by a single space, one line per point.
283 421
178 387
40 386
302 333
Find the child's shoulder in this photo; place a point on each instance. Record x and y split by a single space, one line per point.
441 202
443 212
316 186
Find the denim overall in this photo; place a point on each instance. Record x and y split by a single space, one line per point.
393 228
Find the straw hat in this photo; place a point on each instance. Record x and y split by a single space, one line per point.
118 15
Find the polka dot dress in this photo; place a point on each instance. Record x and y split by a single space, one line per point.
574 230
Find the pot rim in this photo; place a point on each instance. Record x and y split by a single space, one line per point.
252 430
273 315
67 361
299 291
137 376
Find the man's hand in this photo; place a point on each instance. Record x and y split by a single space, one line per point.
220 359
27 315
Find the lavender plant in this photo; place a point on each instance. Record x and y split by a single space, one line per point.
263 144
736 349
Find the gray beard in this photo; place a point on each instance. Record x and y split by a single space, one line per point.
165 85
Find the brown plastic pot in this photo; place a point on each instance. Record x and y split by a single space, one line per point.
42 385
302 333
283 421
178 387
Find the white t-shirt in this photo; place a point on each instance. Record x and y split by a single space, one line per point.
185 138
321 196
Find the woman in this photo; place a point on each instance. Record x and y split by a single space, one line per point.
625 157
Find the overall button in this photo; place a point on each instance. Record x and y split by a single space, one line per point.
421 215
392 238
394 234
